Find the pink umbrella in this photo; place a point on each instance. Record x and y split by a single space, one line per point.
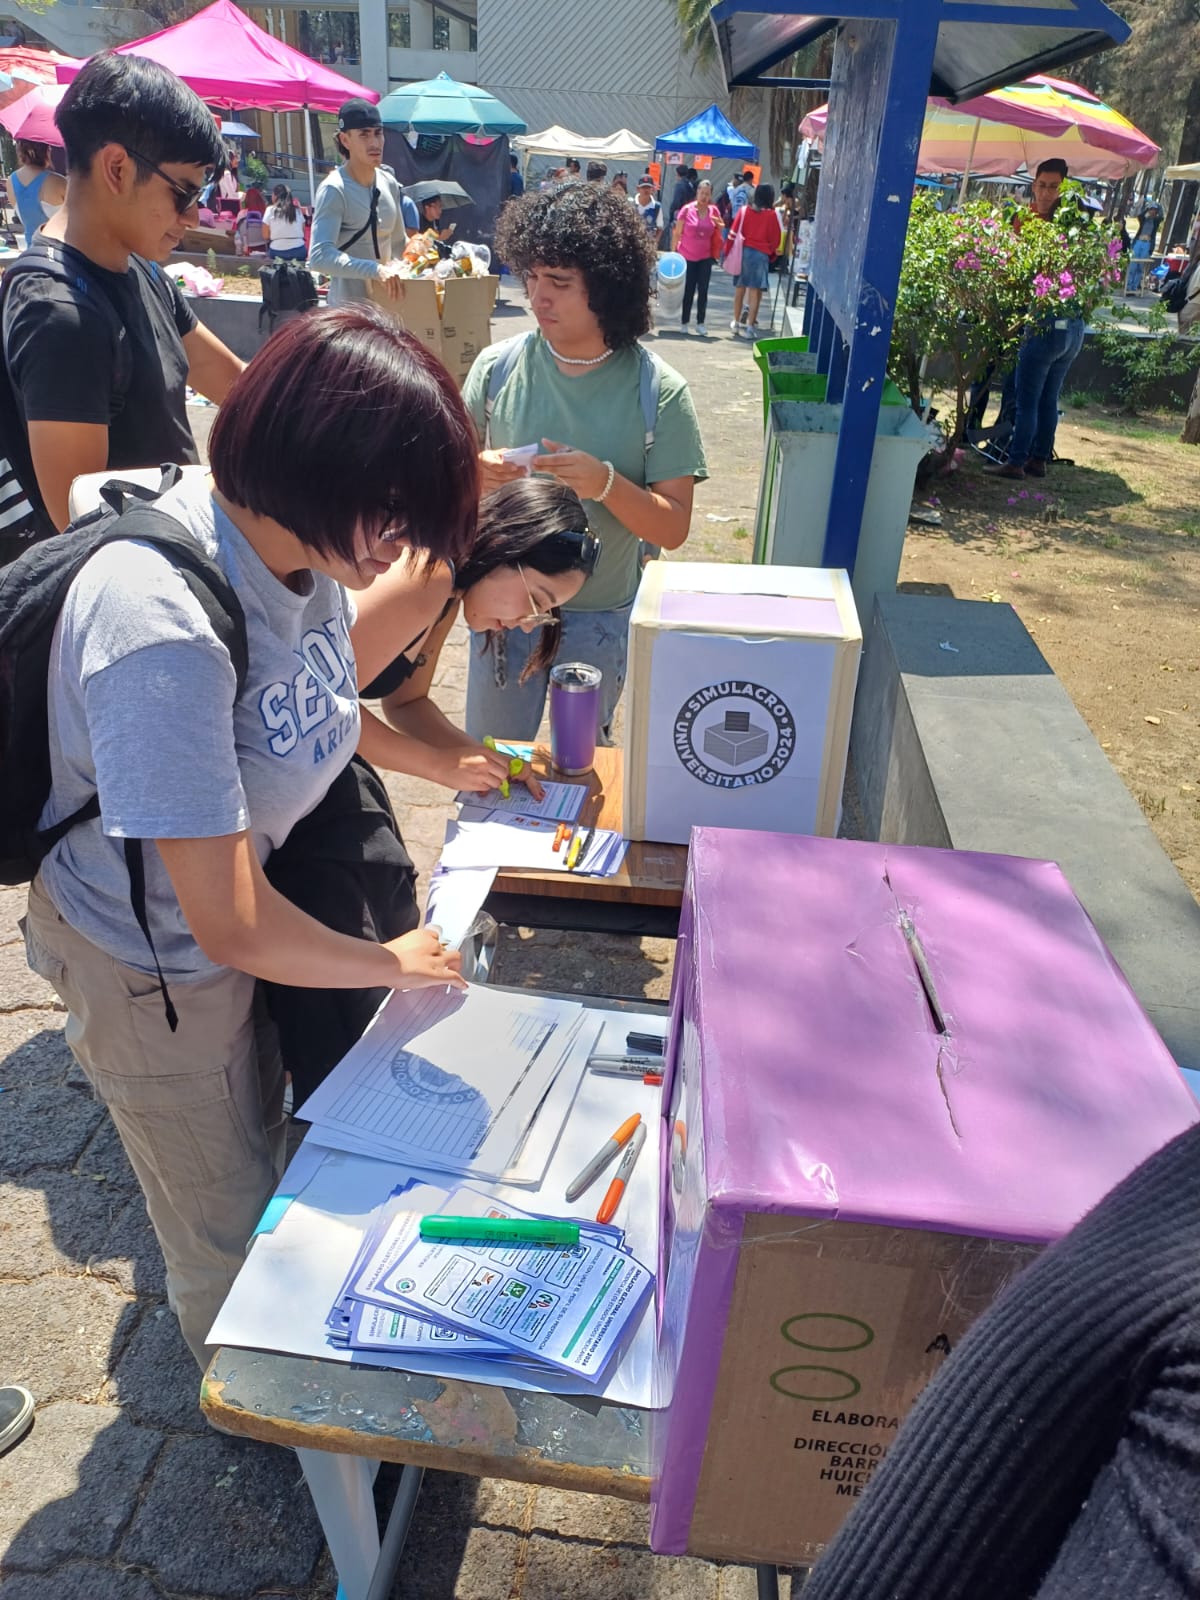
32 116
1029 122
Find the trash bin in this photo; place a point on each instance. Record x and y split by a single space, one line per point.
671 271
797 486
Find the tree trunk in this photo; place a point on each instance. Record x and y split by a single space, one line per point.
1189 151
1191 426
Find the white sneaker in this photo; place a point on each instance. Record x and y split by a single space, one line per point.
702 330
685 327
735 327
753 331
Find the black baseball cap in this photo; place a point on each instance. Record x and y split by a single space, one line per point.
358 114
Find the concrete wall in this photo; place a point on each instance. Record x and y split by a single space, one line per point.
979 747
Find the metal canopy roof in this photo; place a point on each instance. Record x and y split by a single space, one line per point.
981 44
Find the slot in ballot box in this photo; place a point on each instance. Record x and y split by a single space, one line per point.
895 1075
741 687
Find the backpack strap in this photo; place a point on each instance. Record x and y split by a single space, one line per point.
217 597
372 223
649 388
507 356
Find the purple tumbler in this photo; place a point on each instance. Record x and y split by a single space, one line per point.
574 716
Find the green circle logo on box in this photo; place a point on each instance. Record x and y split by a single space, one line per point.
734 735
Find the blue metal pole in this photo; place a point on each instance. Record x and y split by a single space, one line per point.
912 46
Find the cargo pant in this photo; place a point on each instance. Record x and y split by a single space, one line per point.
199 1111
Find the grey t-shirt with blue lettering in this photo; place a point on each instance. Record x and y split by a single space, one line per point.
141 707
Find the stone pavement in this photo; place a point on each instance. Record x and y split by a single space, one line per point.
122 1491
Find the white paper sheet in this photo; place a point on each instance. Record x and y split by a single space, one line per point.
453 1080
454 900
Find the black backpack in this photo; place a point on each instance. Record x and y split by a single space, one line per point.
1175 295
23 516
286 286
32 591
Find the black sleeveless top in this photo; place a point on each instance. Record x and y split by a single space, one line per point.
402 668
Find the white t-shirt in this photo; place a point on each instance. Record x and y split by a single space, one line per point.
142 712
285 235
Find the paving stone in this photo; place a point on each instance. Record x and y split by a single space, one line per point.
483 1567
18 985
105 1156
557 1568
71 1486
157 1381
598 1517
130 1256
44 1124
82 1580
12 908
500 1503
741 1583
54 1222
32 1049
225 1519
58 1335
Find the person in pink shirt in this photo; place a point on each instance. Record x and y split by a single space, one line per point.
697 237
758 224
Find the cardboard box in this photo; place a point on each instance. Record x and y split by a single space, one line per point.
741 686
453 319
896 1073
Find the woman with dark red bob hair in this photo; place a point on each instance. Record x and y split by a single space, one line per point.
341 448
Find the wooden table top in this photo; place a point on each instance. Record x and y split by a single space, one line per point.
651 874
389 1415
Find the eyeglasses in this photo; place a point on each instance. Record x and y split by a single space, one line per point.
536 618
186 195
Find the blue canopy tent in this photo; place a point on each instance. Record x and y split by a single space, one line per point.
708 133
888 57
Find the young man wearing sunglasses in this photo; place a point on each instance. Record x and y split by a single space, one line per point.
99 356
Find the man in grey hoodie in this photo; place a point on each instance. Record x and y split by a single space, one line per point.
357 210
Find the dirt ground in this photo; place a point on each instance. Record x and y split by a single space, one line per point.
1101 560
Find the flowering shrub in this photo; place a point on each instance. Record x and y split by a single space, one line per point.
976 279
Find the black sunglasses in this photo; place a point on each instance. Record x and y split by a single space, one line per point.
585 547
185 195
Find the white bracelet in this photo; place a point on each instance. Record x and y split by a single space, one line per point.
608 482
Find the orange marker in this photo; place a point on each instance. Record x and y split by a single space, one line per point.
617 1187
561 837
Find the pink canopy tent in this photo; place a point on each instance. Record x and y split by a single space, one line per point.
230 62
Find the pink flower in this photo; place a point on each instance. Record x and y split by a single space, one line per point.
1042 285
1114 249
1067 292
1065 277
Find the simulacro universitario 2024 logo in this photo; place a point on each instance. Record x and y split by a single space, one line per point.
733 734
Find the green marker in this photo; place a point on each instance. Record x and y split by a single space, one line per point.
514 766
499 1230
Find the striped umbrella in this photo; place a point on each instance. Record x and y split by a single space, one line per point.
996 134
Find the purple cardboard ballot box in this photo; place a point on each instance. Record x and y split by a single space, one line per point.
896 1074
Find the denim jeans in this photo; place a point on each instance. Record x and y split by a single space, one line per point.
1044 360
696 283
500 705
1140 253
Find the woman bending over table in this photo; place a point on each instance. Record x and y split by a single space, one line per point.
533 552
583 388
144 712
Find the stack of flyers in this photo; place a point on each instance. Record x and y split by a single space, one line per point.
482 838
565 1308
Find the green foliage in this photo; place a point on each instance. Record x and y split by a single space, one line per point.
253 171
972 285
1144 358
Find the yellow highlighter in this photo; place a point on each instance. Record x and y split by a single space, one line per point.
514 766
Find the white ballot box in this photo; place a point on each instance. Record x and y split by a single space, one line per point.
741 685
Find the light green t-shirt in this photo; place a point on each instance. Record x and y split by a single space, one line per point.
600 412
